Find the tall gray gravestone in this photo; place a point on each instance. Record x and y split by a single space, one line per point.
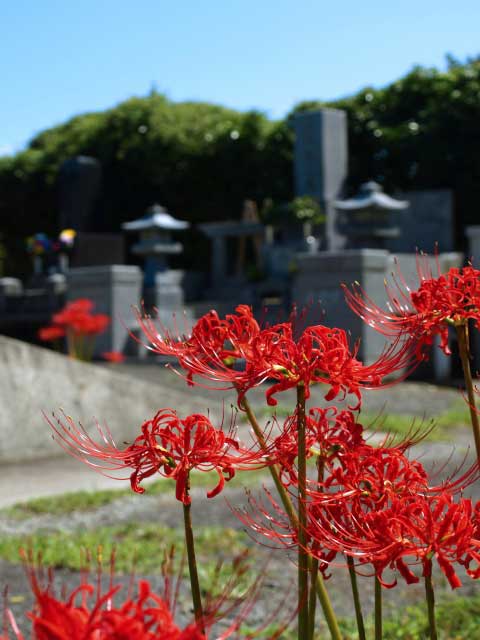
321 162
79 181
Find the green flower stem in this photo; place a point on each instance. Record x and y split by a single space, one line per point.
312 598
312 604
192 562
431 607
274 472
464 351
378 609
303 623
322 592
356 598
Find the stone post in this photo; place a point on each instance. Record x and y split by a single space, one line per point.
113 289
317 286
9 288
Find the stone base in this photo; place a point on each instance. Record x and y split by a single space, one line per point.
317 286
114 290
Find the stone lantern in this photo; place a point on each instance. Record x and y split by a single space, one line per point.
155 245
367 219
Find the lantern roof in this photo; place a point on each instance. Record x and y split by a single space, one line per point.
371 195
156 217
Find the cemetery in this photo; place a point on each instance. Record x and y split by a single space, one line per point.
270 412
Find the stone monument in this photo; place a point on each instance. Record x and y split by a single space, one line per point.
321 162
79 181
224 274
79 184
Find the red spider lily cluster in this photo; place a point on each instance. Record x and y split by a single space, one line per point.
79 325
373 504
236 352
437 303
372 507
88 614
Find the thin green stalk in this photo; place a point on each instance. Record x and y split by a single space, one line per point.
312 598
464 351
431 607
192 562
356 598
274 472
378 609
312 603
303 622
322 592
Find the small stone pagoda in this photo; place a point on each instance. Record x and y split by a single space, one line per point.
155 245
367 219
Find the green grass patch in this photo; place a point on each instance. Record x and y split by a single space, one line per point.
142 545
439 427
457 619
79 501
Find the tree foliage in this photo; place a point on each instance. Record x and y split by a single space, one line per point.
202 160
420 132
199 160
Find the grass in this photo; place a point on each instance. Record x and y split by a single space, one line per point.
439 427
142 545
457 619
81 501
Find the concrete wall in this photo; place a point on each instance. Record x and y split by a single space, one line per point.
34 379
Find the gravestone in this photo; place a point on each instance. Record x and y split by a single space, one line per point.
79 184
428 220
222 281
321 162
79 181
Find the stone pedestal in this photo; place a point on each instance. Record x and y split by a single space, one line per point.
317 285
113 289
473 235
170 301
9 288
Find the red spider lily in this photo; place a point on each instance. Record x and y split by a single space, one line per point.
146 617
50 334
436 304
78 318
87 614
217 346
77 322
329 432
113 356
321 355
211 349
266 518
167 445
410 529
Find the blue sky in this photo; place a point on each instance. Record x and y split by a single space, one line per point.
59 58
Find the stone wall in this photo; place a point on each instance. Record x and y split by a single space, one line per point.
34 379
